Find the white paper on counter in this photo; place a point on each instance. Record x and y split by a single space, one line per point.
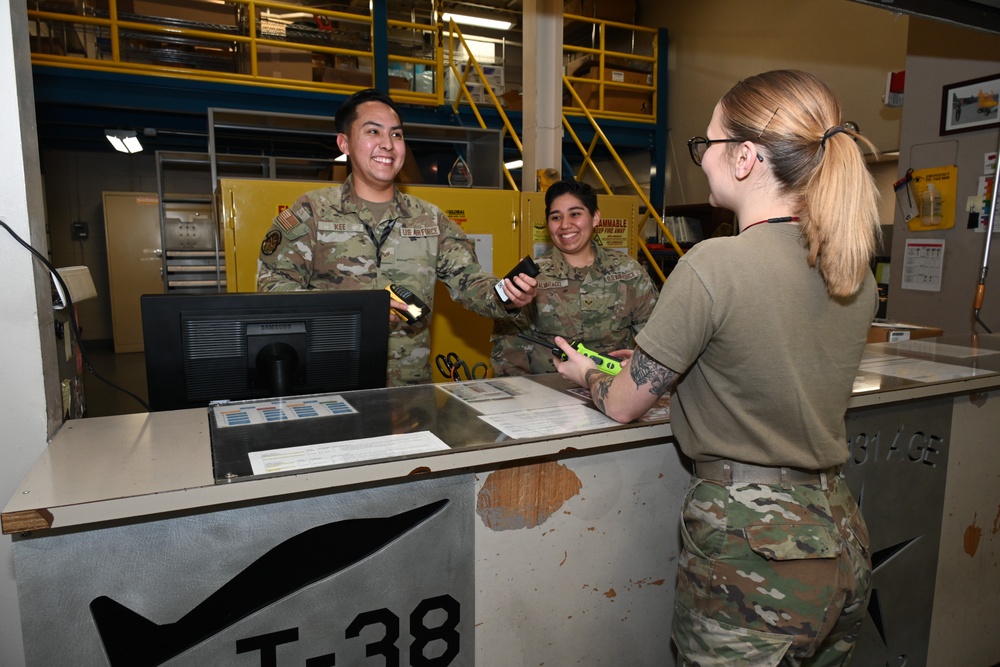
348 451
548 421
508 394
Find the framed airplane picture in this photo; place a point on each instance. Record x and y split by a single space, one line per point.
970 105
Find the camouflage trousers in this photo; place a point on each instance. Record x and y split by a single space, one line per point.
770 575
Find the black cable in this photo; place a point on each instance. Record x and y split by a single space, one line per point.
74 325
981 323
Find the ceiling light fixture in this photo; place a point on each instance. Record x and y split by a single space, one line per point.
124 141
514 164
493 24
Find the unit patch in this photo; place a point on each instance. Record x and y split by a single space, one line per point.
270 242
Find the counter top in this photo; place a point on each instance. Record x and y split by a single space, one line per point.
114 468
893 372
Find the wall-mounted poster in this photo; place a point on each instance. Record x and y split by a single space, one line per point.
922 264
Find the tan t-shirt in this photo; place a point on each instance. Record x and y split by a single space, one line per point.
770 358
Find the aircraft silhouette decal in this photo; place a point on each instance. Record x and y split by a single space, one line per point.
317 553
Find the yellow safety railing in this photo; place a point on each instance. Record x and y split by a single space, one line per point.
114 41
606 70
231 53
462 77
622 77
127 43
589 163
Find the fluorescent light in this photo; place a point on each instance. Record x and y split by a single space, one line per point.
514 164
124 141
341 158
477 21
132 144
117 143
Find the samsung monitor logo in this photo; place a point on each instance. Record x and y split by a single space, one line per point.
276 327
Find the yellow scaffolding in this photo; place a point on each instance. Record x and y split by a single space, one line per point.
108 35
113 43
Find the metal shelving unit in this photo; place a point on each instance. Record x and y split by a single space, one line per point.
193 258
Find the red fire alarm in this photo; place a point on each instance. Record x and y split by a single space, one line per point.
894 84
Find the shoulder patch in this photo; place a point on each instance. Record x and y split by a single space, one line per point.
286 219
270 243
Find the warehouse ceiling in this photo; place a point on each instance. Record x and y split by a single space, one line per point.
977 14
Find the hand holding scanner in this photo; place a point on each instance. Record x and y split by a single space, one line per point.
416 309
526 266
607 364
604 363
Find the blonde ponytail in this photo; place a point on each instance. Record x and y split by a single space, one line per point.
795 119
841 214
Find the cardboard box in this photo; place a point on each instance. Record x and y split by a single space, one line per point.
284 63
512 100
895 332
494 76
615 99
198 11
363 79
478 92
348 77
400 80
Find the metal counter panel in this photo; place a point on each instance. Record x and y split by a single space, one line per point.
897 471
223 588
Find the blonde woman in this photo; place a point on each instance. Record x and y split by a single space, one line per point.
759 338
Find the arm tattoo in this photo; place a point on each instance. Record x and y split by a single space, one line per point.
645 370
599 383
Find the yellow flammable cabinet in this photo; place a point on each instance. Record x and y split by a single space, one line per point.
490 217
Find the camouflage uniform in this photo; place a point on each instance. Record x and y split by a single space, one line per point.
767 575
603 306
758 562
328 240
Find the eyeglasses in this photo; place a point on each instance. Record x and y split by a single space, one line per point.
698 145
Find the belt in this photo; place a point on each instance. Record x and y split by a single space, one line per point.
729 472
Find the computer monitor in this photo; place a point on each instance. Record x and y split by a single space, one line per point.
208 347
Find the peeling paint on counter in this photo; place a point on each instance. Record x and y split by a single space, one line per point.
970 540
525 496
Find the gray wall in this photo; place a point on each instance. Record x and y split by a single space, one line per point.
941 54
715 43
29 394
75 182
